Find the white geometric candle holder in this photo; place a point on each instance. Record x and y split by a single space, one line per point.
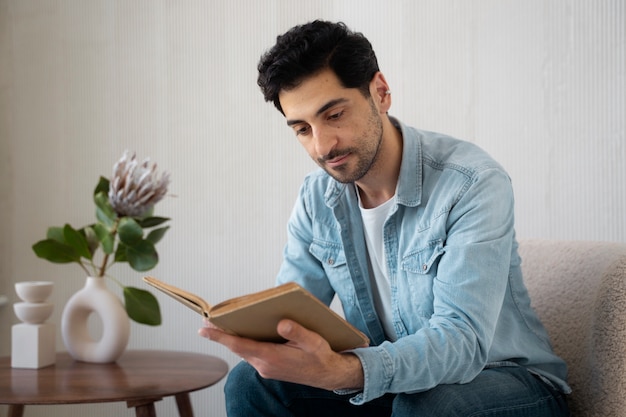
33 343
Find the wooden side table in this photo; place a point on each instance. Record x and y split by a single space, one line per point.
139 377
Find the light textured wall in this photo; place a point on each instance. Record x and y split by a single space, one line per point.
540 85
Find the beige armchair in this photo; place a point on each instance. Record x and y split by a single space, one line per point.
578 288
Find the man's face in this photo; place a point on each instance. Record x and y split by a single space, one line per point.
339 127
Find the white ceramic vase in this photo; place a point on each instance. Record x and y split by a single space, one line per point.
95 298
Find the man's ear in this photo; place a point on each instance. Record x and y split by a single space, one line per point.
380 92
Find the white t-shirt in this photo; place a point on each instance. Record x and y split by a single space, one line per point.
373 221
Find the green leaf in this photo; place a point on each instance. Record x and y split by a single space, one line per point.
120 253
76 240
105 237
142 306
102 186
104 211
93 242
102 217
152 221
55 233
142 256
55 251
129 231
155 235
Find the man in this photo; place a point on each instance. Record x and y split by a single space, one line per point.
413 231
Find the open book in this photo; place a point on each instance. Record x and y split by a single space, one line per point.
256 315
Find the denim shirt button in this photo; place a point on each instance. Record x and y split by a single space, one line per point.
424 267
331 261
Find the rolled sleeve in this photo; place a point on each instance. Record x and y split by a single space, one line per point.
378 371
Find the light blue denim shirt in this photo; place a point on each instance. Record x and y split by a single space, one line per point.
459 302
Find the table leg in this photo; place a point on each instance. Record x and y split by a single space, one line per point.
16 410
184 405
143 408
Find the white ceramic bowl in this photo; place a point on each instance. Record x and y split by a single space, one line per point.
34 291
33 313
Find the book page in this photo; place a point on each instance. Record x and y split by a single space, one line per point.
192 301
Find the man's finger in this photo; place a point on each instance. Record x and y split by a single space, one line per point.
299 335
240 346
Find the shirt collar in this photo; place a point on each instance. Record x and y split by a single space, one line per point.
409 187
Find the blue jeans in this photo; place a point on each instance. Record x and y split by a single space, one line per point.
495 392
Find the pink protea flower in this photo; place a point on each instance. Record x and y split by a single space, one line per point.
136 187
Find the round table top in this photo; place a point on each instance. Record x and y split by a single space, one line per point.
138 374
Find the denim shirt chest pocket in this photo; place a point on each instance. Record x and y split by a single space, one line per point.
333 259
418 271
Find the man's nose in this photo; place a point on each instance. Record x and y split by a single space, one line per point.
325 141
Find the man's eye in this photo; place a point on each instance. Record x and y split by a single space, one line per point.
335 116
303 130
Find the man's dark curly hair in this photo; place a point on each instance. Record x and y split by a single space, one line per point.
307 49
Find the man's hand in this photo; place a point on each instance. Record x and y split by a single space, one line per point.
306 358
